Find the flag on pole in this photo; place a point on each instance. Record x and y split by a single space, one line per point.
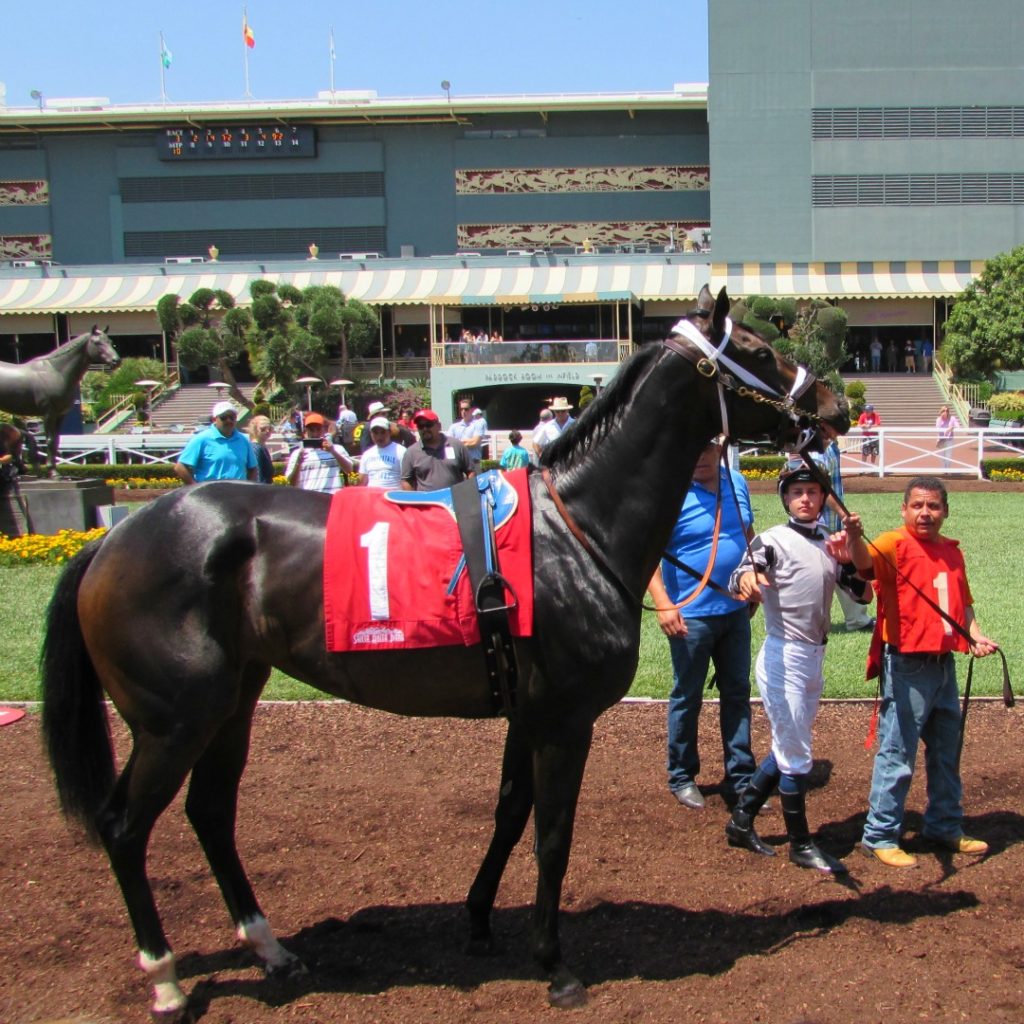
247 32
165 54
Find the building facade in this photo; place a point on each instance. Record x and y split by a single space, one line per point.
870 154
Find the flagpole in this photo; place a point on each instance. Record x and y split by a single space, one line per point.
163 91
245 51
333 57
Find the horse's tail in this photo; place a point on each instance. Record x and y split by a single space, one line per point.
75 725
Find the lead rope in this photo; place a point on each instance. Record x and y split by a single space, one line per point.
704 579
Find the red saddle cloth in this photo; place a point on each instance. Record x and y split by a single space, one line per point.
388 568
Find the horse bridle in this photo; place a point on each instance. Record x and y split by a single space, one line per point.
707 365
740 381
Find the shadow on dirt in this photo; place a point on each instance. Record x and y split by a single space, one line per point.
380 948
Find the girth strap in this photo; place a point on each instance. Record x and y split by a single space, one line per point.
473 502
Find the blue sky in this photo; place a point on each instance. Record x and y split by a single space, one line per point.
397 47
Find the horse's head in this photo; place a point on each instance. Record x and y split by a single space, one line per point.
100 348
783 402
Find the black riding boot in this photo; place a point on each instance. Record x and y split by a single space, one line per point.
802 850
740 828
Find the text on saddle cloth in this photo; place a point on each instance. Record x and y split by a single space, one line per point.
395 574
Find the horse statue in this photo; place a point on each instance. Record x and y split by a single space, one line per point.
232 586
45 386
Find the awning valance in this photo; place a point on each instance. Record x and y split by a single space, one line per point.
489 283
416 285
865 280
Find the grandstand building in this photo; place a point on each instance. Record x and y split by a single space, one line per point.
825 158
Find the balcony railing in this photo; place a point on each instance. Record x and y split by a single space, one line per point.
490 353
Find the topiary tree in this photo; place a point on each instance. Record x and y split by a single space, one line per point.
295 333
208 330
817 340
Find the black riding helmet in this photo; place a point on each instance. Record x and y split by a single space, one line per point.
804 475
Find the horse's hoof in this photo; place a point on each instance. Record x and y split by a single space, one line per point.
179 1015
291 970
567 993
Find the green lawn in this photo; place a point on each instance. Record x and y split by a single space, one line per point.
985 523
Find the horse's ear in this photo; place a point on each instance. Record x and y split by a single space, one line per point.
95 328
721 312
705 303
106 330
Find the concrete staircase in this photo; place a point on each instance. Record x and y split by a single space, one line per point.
902 399
189 405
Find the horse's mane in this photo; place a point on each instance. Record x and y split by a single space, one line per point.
602 414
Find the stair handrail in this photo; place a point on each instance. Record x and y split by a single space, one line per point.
116 414
961 395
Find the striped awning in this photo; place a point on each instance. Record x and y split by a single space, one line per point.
76 290
872 280
79 292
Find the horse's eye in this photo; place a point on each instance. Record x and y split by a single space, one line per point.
765 356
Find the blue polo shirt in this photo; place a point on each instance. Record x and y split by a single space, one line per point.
212 456
691 543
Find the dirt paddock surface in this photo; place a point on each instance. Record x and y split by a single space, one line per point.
362 833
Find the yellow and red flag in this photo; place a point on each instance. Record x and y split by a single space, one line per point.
247 33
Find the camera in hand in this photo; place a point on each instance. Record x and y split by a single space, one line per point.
312 442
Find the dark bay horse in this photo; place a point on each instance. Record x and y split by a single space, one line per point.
45 386
182 610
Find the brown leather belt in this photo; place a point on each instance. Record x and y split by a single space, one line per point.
917 655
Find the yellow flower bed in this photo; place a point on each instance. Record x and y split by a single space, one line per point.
144 482
1006 474
42 549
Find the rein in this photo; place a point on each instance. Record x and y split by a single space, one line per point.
577 531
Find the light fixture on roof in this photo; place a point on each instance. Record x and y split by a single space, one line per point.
38 97
447 86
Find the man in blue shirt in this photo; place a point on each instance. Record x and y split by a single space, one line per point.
218 453
715 630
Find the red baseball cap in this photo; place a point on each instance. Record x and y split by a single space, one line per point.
426 414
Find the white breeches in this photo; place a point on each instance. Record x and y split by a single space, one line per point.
789 677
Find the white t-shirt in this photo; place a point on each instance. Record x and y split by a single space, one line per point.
552 429
383 466
319 471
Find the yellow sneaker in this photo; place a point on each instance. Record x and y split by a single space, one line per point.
891 856
963 844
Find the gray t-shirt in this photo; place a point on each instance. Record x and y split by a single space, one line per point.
431 469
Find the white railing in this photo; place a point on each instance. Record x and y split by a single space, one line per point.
902 451
912 451
138 448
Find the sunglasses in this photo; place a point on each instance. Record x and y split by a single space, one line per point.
229 417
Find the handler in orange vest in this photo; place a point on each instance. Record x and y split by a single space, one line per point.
912 649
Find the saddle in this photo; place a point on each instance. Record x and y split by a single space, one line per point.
481 505
415 569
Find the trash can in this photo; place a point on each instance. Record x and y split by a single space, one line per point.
979 418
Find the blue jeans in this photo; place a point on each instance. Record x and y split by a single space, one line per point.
722 640
919 702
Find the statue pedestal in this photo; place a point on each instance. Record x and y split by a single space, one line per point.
55 505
